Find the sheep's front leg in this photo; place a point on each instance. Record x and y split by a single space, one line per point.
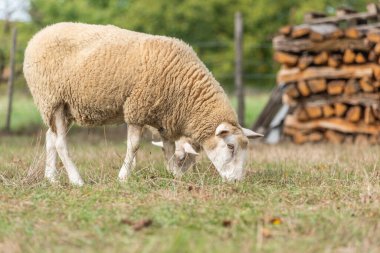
133 143
169 151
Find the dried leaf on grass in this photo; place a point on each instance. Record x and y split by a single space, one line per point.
227 223
137 225
266 233
276 221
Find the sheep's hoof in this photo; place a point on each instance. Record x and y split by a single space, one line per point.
122 179
51 180
77 182
123 174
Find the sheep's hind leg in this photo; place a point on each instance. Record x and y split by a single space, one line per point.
61 146
133 143
51 156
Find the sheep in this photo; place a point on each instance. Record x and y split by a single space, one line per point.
94 75
184 156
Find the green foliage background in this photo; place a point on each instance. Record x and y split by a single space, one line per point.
206 25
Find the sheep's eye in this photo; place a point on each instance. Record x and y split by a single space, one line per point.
231 146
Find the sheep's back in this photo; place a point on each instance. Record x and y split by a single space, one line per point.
89 68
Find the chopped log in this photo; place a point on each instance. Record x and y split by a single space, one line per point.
344 11
313 15
369 118
363 99
374 36
335 87
344 17
353 33
315 137
328 111
354 114
320 32
314 112
352 87
361 139
292 91
359 58
302 115
317 37
344 72
286 58
317 85
300 31
338 33
305 61
335 60
303 88
373 8
349 56
376 111
287 100
337 124
325 31
334 137
372 57
340 109
321 58
282 43
365 28
376 49
299 138
366 85
376 73
286 30
289 131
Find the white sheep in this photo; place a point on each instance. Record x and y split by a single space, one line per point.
94 75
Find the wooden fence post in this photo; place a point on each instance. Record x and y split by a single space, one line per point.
11 80
239 66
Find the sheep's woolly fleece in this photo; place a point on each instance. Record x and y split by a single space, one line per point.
105 75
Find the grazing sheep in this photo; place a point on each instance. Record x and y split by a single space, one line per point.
184 155
94 75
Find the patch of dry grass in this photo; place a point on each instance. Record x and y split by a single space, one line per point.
311 198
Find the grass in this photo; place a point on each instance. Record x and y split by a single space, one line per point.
311 198
25 115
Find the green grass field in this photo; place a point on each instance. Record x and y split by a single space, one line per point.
311 198
25 115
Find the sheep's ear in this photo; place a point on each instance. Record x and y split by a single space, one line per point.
189 149
158 144
251 134
222 130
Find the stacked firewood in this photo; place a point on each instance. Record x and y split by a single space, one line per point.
331 77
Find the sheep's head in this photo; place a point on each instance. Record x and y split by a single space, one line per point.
227 150
184 156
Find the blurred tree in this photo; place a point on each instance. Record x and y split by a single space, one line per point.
206 25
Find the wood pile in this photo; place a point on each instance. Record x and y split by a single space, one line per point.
331 77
